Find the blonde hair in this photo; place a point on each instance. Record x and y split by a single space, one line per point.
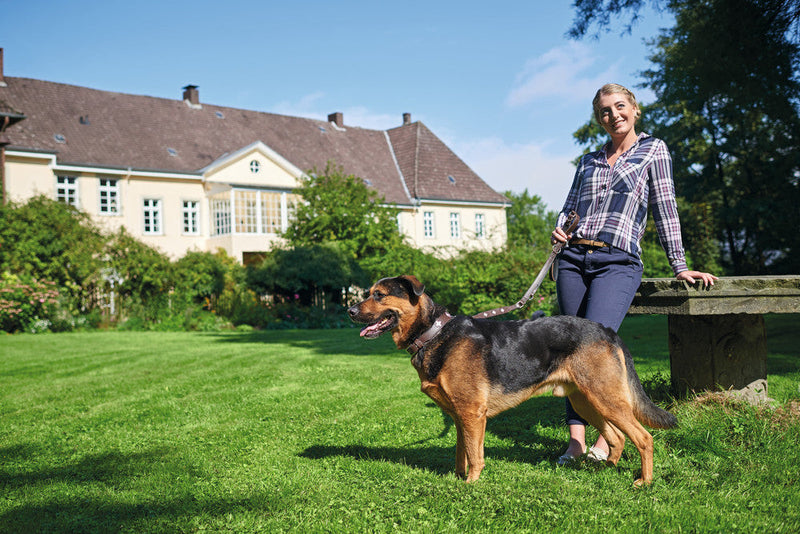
613 89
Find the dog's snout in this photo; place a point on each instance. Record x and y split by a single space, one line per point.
353 310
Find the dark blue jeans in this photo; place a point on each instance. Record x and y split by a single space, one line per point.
598 284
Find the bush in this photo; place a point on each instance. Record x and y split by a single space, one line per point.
312 275
200 277
26 304
49 240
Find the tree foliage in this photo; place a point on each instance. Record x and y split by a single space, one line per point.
341 208
601 13
528 220
726 81
727 88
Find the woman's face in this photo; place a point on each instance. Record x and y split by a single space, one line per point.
617 114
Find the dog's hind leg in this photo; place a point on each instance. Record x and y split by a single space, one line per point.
641 438
614 451
615 415
612 434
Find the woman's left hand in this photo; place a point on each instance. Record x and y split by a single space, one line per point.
693 276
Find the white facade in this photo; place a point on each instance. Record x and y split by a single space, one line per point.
239 204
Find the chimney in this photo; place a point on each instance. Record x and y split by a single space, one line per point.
337 119
2 80
406 119
192 96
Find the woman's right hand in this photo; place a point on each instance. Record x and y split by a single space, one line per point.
558 235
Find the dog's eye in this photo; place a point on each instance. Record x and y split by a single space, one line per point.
377 295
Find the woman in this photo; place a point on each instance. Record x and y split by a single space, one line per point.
600 269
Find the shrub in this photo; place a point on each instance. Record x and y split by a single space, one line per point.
27 304
49 240
313 275
200 277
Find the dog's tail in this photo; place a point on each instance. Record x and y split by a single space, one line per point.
644 408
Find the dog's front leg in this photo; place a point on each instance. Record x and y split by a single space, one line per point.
474 432
461 452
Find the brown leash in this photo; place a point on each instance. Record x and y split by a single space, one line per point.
569 226
419 344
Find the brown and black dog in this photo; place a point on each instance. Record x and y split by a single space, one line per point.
477 368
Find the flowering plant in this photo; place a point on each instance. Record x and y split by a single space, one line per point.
26 304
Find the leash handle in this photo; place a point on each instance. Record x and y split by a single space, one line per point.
571 223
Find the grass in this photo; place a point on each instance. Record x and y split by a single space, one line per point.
321 431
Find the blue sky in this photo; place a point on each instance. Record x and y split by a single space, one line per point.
498 81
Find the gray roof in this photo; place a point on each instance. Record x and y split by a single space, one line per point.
117 130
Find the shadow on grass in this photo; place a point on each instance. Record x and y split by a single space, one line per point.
95 500
521 426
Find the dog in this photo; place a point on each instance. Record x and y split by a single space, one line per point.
476 368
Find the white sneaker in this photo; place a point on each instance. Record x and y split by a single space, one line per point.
597 455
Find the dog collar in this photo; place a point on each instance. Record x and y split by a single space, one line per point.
419 343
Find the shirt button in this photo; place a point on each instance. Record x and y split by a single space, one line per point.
591 251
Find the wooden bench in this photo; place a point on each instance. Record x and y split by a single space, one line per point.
716 335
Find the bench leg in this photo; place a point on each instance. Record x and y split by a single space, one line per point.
709 352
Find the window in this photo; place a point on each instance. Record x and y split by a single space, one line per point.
67 190
221 213
255 166
109 196
427 224
191 217
152 216
254 211
455 225
246 212
271 220
480 226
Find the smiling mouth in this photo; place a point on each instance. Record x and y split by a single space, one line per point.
385 323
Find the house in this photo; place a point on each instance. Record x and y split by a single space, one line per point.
187 175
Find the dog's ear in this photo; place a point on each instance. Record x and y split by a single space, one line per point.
414 286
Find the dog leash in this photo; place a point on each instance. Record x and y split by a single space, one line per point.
569 226
419 344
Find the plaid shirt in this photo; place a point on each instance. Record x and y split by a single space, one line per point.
612 202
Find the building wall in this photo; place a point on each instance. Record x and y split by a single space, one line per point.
412 223
30 175
239 170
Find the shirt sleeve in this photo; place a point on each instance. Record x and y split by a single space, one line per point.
665 208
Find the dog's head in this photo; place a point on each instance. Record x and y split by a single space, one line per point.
393 304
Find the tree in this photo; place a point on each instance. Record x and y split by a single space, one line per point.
528 220
592 12
341 208
726 82
200 277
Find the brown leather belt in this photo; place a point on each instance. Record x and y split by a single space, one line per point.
589 243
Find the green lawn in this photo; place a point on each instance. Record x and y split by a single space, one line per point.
320 431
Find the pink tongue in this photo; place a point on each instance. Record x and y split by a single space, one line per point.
371 329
